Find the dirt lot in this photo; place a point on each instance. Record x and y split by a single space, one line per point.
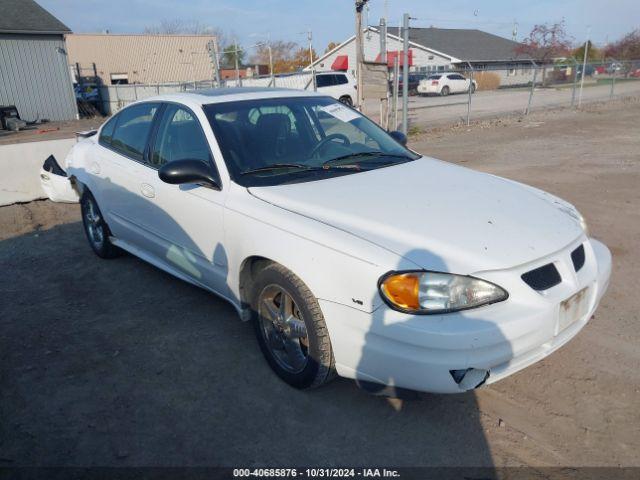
50 131
117 363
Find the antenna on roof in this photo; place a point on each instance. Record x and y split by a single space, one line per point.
514 33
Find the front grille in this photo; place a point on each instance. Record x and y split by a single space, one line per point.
542 278
577 257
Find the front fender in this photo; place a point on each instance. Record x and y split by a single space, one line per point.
335 265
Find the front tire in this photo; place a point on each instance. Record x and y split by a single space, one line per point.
290 328
95 228
473 88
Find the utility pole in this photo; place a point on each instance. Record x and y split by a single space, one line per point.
584 66
384 103
359 52
383 40
313 67
235 56
212 46
273 83
394 98
405 73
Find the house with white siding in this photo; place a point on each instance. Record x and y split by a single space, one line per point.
437 49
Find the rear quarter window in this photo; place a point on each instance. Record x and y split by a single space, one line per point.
107 131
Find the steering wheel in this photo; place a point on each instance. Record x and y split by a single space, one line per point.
329 138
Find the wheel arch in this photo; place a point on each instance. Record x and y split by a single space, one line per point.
249 269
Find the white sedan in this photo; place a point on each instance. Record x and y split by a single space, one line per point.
350 253
445 84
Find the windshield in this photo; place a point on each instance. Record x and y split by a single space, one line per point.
283 140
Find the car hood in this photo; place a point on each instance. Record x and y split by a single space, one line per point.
437 215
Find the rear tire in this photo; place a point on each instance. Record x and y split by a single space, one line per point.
346 99
473 88
445 91
290 328
96 229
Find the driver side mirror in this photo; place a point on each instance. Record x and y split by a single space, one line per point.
399 137
188 171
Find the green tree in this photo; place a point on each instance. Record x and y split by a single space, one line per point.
331 46
593 53
229 55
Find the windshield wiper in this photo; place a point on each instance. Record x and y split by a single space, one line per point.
298 166
278 166
353 156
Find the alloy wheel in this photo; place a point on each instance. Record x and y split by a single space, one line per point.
93 222
283 328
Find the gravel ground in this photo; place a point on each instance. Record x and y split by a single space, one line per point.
116 363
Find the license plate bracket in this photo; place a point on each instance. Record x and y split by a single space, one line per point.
574 309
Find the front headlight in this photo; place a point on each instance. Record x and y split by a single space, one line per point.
583 224
426 293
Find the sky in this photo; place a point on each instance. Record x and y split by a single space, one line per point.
252 21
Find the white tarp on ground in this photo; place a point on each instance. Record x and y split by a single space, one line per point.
20 165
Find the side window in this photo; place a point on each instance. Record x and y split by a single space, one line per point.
179 137
107 131
132 131
341 79
324 80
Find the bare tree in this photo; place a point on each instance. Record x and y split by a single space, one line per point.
627 48
178 26
546 42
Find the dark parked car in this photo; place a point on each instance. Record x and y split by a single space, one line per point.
414 80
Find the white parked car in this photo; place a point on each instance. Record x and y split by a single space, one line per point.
445 84
339 85
350 253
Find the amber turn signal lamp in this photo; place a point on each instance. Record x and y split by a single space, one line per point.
402 290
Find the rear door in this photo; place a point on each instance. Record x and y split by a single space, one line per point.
343 86
119 165
458 82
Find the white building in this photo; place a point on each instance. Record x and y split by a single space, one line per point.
437 49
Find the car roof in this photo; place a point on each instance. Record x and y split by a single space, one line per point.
233 94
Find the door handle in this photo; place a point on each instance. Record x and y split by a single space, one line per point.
147 190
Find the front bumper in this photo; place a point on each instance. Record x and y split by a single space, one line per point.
418 352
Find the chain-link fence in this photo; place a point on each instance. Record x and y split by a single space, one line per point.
114 97
517 88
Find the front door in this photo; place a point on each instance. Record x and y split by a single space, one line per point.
185 220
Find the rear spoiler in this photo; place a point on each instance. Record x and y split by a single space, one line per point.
85 134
